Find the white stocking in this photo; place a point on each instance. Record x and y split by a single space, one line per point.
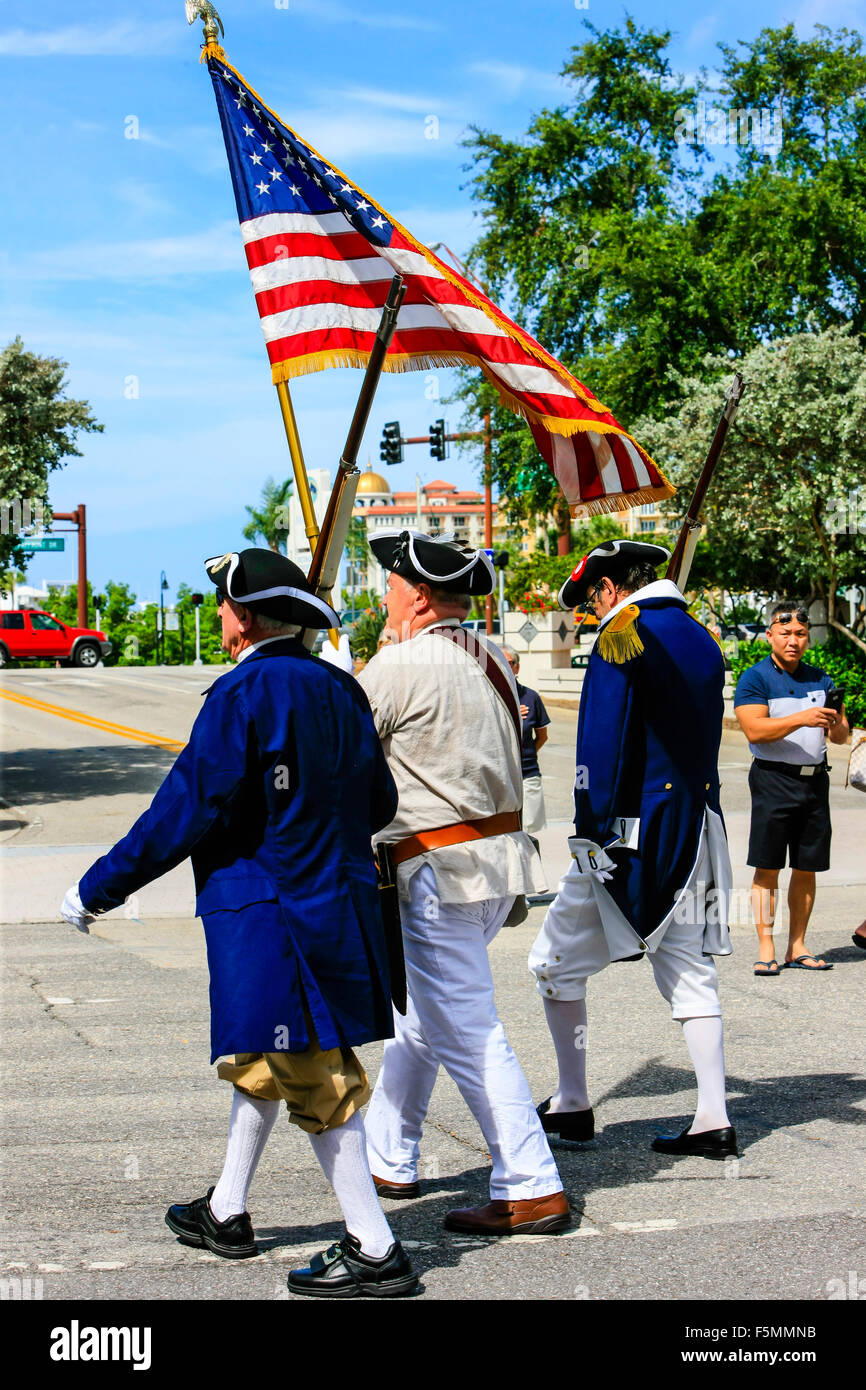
251 1123
566 1019
707 1049
342 1153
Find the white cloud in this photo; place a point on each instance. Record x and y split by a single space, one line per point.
512 78
143 198
126 38
210 251
702 31
344 137
837 14
395 101
334 13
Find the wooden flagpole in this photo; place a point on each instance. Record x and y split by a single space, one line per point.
213 31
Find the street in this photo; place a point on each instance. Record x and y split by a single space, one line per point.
112 1112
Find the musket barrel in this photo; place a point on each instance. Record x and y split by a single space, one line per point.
328 535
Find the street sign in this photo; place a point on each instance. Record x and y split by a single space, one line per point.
172 622
44 543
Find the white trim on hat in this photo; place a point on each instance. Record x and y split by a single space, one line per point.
436 579
286 590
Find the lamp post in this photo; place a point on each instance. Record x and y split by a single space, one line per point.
163 585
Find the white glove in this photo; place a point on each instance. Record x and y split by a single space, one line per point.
338 656
74 912
590 858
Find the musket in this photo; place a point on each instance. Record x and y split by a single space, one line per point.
325 566
681 560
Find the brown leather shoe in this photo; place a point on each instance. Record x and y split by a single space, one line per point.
536 1216
402 1190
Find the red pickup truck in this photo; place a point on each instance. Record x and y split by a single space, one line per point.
27 635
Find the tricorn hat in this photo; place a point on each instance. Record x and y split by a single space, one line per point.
438 561
597 564
270 584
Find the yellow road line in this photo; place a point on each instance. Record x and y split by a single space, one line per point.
121 730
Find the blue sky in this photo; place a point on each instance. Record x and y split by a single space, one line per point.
123 256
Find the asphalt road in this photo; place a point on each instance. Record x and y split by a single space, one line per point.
111 1111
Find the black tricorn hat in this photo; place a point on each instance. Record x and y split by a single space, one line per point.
270 584
437 561
597 564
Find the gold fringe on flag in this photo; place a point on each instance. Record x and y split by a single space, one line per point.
487 307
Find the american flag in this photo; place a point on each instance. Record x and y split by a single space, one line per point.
322 254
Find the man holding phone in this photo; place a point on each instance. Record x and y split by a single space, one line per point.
788 709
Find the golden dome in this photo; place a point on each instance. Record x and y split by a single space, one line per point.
372 482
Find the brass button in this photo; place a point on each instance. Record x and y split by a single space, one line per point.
706 786
548 991
542 977
668 786
559 957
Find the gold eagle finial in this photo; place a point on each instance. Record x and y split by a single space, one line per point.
204 10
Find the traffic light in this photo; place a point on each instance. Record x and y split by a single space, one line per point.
438 444
500 559
391 450
196 600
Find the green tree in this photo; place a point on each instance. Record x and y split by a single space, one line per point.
786 511
615 242
38 430
270 519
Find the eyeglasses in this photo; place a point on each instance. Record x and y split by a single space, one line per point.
593 593
220 598
799 613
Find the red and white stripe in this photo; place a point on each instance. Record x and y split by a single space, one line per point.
320 287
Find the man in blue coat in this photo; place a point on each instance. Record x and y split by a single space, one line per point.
650 872
275 799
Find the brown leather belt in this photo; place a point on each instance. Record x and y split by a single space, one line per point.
459 834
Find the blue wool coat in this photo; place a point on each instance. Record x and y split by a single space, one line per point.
648 738
275 799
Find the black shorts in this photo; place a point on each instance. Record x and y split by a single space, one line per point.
789 814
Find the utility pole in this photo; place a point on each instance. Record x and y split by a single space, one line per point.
488 516
392 452
79 518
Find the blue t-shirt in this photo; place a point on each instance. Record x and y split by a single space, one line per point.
537 718
784 693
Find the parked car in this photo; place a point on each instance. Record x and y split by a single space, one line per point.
28 635
480 625
744 632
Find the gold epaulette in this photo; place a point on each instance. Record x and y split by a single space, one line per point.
715 636
618 640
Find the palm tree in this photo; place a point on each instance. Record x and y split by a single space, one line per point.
271 519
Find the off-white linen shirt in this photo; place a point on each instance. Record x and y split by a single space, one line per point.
453 752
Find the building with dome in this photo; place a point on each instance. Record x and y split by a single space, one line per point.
436 508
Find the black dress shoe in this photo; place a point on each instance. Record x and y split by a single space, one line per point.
343 1271
195 1224
711 1143
577 1125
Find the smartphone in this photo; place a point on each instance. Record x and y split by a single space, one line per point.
835 699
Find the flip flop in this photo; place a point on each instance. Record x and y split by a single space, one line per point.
859 941
795 964
767 974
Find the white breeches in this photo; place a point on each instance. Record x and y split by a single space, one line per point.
572 945
452 1021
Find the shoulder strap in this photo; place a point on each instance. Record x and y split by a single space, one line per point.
466 639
